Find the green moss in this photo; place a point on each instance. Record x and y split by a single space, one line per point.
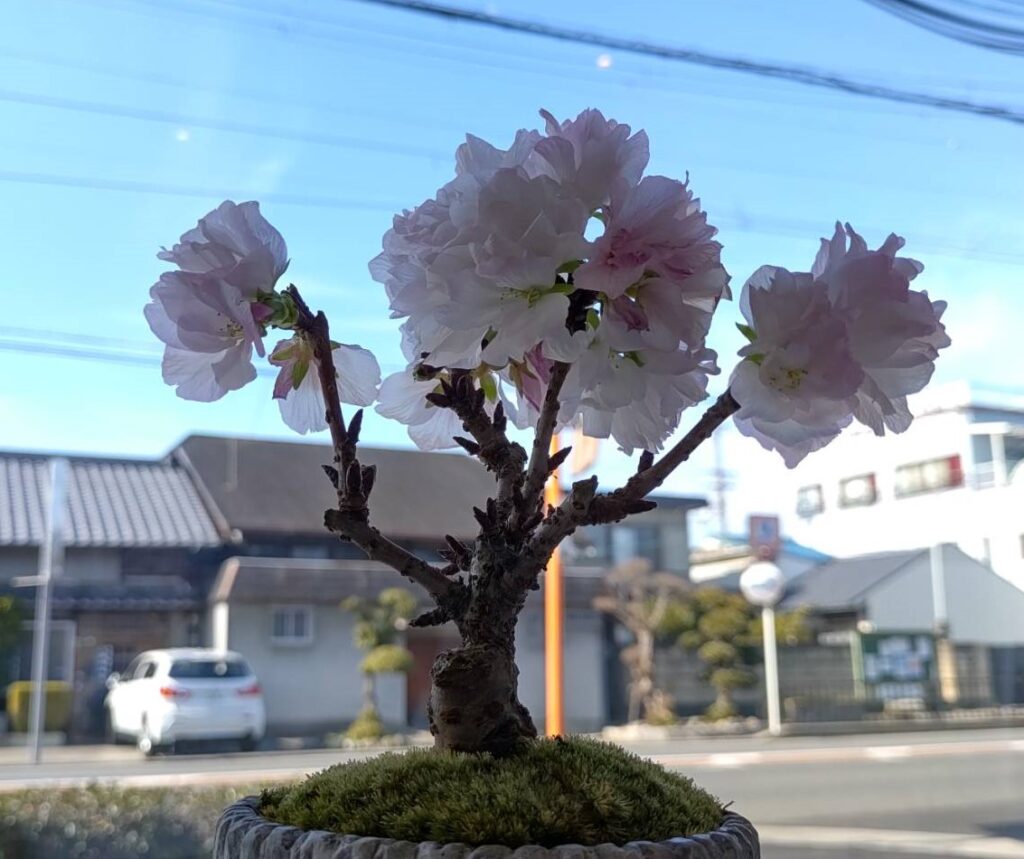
365 726
576 791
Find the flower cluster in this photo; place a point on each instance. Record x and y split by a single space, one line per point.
848 340
498 274
213 312
556 265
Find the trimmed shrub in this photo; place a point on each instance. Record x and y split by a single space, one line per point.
58 705
366 726
575 791
113 823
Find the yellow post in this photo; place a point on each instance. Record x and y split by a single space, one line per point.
554 621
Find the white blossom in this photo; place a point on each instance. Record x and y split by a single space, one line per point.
298 390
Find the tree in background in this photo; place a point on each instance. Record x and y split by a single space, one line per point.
641 600
725 632
379 623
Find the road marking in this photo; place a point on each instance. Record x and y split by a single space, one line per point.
836 754
888 753
894 841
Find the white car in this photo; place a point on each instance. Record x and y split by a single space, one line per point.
185 694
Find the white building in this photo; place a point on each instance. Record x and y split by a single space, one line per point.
953 477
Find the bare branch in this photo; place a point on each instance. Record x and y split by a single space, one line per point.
447 593
490 444
537 471
317 332
652 477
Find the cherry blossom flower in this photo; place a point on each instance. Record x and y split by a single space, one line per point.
590 155
656 226
237 240
403 398
209 330
848 340
298 391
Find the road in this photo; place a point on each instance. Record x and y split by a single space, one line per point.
952 794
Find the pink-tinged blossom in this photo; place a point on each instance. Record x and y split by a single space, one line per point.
297 388
848 340
895 332
797 386
237 240
403 398
590 155
656 226
209 330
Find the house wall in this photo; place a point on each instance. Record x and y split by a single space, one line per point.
81 565
586 686
983 607
315 687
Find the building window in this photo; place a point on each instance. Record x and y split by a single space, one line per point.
810 500
292 625
859 491
929 476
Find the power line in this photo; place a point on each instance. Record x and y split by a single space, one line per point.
794 74
973 30
134 187
150 115
743 223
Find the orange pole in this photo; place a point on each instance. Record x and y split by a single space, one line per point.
554 621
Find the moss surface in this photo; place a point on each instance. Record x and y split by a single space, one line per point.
576 791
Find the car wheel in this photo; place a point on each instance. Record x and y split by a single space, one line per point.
145 741
249 743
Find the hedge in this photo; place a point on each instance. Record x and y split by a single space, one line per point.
113 823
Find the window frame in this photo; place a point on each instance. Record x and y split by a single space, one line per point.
956 471
847 503
292 610
806 513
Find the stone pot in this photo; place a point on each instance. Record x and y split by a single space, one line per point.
243 834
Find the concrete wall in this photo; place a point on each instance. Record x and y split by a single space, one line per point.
315 687
586 692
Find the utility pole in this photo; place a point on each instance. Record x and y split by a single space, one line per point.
554 621
51 562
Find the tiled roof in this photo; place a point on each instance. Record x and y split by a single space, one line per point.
111 503
304 580
843 583
266 487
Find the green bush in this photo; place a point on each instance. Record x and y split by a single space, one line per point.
58 705
387 658
113 823
576 791
366 726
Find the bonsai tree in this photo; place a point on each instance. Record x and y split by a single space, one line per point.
725 632
378 625
515 317
641 600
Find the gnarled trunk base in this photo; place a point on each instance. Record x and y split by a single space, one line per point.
474 701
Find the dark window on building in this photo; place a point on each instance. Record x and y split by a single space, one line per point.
810 500
929 476
859 491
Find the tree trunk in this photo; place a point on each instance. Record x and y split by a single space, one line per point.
474 701
369 692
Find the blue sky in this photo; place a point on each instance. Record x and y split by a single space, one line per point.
334 114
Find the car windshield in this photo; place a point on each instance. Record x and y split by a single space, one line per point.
208 669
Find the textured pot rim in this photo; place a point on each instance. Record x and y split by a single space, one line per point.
243 833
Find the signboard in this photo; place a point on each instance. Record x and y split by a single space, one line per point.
764 537
898 665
